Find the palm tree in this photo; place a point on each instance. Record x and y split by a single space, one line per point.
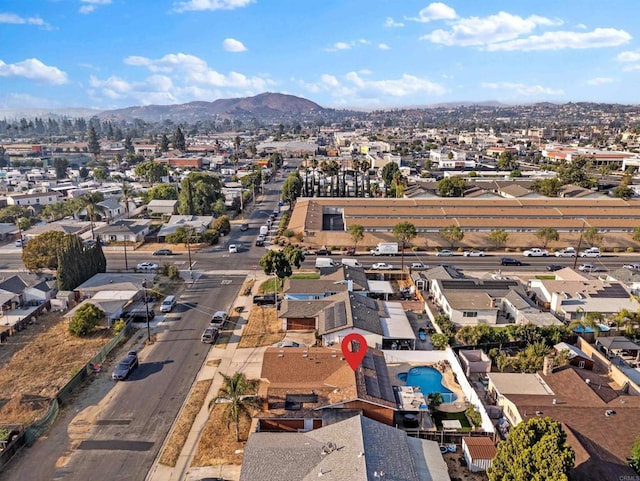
235 393
91 204
127 195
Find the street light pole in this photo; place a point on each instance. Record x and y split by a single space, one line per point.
189 247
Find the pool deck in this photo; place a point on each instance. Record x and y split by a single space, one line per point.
448 381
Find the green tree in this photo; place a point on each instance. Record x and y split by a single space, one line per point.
452 234
164 143
42 251
294 255
162 192
388 173
219 207
592 236
60 164
548 187
546 235
100 174
83 173
151 171
636 234
85 319
536 450
452 186
127 196
128 145
405 232
577 172
179 142
239 398
198 194
222 224
498 237
292 188
276 262
93 141
356 231
622 192
531 358
91 204
507 161
439 341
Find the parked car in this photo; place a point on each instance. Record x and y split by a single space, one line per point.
589 268
147 266
554 267
632 266
218 319
163 252
264 299
260 241
568 252
323 251
590 252
233 248
21 242
381 266
210 335
508 261
536 252
473 253
349 251
125 367
444 253
244 227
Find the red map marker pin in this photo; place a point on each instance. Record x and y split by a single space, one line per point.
359 345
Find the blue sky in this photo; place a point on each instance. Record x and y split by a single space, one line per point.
339 53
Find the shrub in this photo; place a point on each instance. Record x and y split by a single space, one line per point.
288 233
616 250
118 326
629 249
415 248
173 273
85 320
473 415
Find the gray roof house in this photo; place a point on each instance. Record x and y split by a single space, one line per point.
161 206
131 230
355 449
199 224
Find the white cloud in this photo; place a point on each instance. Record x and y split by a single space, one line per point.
384 46
560 40
33 69
628 56
391 23
435 11
476 31
177 78
233 45
523 89
18 20
92 5
200 5
347 45
631 68
600 81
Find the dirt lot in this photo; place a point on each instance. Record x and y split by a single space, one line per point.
37 362
263 328
458 471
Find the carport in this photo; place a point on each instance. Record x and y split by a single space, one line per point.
380 289
398 333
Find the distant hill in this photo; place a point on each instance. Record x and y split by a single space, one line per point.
72 113
264 106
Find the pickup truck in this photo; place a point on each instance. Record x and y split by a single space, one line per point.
535 252
264 300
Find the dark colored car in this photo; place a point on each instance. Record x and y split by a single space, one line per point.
508 261
163 252
323 252
126 366
264 300
259 242
554 267
350 251
244 227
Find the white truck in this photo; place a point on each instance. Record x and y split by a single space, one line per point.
385 249
264 230
536 252
325 262
350 262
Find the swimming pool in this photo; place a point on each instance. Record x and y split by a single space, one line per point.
429 380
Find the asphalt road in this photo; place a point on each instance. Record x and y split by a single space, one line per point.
131 428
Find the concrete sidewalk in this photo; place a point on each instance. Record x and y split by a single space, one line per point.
232 360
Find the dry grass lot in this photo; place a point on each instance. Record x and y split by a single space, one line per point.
458 470
181 430
217 444
263 328
38 362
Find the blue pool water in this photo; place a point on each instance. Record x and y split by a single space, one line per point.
429 380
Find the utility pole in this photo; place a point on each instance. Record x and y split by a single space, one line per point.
189 247
146 306
575 261
126 262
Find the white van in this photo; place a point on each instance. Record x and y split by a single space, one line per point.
325 262
351 262
168 304
264 230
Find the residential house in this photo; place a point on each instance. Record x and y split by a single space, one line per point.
479 452
354 449
601 421
469 302
354 277
575 356
8 230
35 199
198 224
312 289
115 208
578 296
13 288
124 230
303 386
163 207
113 282
519 308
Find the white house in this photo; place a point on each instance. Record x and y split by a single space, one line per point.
35 199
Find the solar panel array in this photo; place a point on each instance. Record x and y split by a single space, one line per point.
614 290
335 316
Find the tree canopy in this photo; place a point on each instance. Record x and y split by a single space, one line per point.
198 194
452 234
292 188
546 235
535 450
150 171
85 319
452 186
42 251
